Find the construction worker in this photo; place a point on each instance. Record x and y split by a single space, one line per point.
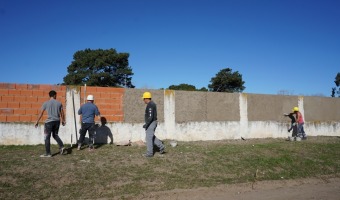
56 115
88 111
150 126
300 122
293 126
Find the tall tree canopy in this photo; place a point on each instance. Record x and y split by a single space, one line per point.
186 87
99 68
336 90
227 81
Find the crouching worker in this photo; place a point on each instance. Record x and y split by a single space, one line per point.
293 126
88 111
150 126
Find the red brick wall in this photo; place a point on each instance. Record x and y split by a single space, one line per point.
108 100
22 102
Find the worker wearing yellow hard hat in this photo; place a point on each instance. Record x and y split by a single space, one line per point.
300 123
150 126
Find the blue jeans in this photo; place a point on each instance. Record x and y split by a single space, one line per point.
90 127
52 128
301 131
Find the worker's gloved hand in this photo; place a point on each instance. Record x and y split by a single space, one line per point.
144 126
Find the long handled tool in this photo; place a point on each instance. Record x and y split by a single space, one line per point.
74 114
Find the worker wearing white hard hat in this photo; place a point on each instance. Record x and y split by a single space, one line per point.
88 111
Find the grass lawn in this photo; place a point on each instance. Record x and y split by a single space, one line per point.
120 172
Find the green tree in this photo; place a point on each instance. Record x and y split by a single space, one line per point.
204 89
182 86
337 88
227 81
186 87
99 67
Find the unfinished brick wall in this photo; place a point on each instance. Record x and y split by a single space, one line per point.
22 102
108 100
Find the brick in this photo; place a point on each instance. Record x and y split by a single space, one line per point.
32 111
13 118
25 118
114 118
117 112
104 95
3 118
104 89
3 104
108 101
7 86
47 88
27 93
88 89
116 95
105 107
36 106
3 92
20 99
21 86
25 105
13 105
32 99
14 92
7 99
42 99
100 101
63 88
116 107
105 112
32 87
19 111
37 93
6 111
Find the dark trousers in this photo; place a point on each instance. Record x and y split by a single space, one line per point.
52 128
90 127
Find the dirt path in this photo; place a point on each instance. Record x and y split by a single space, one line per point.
302 189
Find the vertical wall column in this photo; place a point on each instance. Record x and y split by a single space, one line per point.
244 132
169 114
300 106
72 118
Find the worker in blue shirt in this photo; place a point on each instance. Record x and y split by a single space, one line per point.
88 111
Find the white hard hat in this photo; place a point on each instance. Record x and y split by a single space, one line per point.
90 97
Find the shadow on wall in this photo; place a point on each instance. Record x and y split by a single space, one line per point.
103 133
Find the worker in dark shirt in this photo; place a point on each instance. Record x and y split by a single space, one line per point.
293 125
150 126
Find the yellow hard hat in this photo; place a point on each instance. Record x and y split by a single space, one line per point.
146 95
295 109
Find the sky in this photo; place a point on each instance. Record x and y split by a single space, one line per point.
290 46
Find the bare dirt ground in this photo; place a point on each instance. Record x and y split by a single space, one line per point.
325 188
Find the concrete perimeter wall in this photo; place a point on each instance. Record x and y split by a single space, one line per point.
182 115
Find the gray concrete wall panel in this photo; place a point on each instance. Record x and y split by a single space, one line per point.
223 106
317 109
134 107
190 106
269 107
